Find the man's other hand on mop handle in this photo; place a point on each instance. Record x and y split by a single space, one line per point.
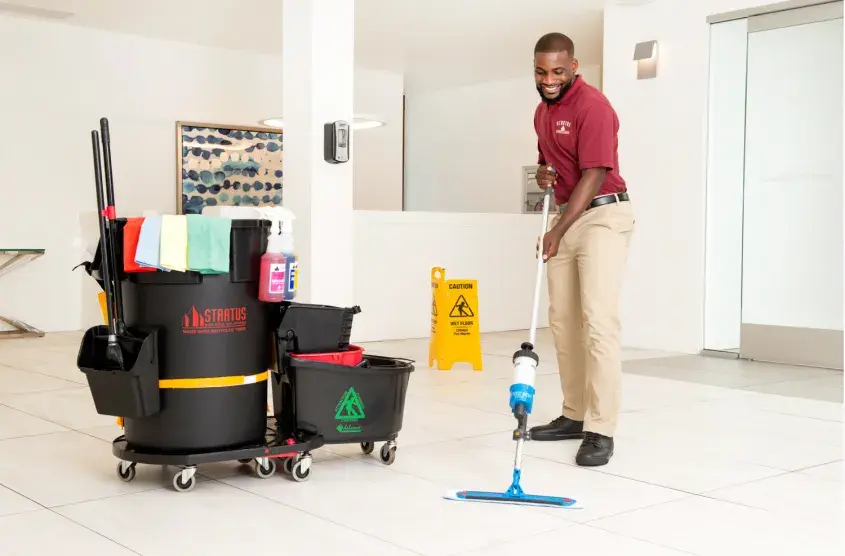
545 176
551 243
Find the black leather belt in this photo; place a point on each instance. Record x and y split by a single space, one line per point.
603 200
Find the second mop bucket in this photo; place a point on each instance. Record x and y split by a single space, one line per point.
347 404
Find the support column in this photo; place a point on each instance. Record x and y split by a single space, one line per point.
317 88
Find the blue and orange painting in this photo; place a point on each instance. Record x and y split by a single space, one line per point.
230 167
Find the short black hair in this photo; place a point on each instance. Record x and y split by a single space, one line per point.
555 42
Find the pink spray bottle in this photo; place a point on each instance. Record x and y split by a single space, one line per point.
273 278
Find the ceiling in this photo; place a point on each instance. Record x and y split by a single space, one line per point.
434 42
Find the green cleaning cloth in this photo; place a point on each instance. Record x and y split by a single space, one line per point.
208 244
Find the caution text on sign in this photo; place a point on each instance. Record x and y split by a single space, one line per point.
455 336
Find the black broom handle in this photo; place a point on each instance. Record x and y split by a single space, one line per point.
101 217
118 294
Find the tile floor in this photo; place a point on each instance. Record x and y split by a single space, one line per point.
714 457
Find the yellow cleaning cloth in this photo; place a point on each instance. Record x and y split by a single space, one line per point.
174 242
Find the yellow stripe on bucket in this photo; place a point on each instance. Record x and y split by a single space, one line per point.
213 382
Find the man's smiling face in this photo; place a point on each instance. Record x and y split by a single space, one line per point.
553 71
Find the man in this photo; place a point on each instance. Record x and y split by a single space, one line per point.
585 247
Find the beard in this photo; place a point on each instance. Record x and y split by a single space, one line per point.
563 88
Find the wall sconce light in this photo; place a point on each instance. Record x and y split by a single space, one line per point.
645 54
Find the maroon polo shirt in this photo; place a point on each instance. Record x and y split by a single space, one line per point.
579 132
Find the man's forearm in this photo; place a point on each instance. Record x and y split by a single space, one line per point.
586 190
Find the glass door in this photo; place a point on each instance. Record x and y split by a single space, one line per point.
792 244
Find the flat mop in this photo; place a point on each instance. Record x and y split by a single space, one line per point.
521 402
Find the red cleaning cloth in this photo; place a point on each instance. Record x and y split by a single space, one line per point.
131 231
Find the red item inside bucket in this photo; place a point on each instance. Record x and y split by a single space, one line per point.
350 357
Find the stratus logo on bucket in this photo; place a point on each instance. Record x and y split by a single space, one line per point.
214 321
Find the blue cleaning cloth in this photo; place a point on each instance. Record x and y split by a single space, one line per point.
149 243
208 244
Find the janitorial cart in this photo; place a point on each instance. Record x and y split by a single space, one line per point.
185 357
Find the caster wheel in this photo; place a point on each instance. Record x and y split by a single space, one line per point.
244 461
367 447
388 454
298 474
287 466
266 472
126 475
186 486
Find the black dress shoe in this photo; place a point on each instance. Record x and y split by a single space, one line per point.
595 450
561 428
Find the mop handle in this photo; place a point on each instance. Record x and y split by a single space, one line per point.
539 281
101 217
112 224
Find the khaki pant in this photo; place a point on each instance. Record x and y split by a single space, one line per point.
585 279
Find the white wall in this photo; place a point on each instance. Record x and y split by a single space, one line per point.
59 80
377 152
394 254
466 146
662 156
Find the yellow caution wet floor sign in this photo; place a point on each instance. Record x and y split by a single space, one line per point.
455 337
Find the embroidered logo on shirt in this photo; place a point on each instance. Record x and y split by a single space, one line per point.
562 127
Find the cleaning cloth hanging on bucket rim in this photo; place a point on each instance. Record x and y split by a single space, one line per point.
208 243
174 242
149 243
131 235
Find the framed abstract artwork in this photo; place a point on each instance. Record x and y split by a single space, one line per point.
227 165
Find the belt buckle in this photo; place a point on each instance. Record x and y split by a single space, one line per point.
595 199
615 196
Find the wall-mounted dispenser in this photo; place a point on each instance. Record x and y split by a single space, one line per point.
336 142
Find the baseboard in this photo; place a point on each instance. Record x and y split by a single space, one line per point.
811 347
720 354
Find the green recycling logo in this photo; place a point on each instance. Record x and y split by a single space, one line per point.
349 410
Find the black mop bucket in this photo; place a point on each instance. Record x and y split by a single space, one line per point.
345 404
131 390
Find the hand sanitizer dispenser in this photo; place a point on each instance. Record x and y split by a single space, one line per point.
336 142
